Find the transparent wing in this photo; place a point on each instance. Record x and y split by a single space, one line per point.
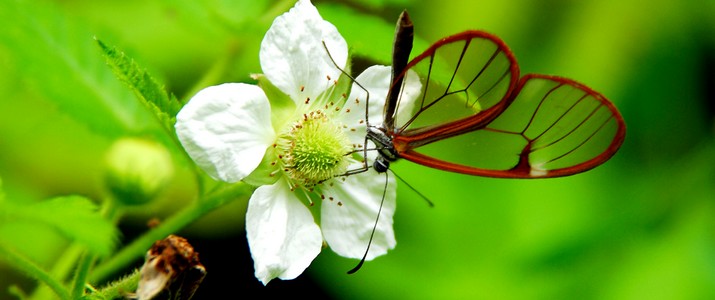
465 75
552 127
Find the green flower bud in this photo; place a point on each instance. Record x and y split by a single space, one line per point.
137 170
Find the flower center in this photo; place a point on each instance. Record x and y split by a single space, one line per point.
314 149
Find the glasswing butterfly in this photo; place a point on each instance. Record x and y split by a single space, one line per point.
476 115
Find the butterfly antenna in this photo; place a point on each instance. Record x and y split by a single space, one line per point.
367 100
431 204
374 228
367 97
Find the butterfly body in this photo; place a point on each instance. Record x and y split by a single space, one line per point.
386 150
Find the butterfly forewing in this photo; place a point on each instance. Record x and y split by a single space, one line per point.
459 77
553 127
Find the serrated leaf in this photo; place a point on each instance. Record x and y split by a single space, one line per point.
165 106
75 217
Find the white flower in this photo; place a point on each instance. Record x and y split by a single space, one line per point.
294 135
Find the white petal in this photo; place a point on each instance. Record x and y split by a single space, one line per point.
376 80
349 217
293 57
282 234
226 129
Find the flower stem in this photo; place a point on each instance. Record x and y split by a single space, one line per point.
119 289
79 282
139 246
60 270
111 211
31 269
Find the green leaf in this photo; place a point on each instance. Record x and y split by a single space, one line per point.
165 106
49 56
75 217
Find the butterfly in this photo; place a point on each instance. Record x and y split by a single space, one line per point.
476 115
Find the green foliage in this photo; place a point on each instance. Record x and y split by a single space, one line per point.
154 96
75 217
54 57
637 227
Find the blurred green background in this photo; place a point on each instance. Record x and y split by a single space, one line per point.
642 226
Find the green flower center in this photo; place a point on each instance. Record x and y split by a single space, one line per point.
313 149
